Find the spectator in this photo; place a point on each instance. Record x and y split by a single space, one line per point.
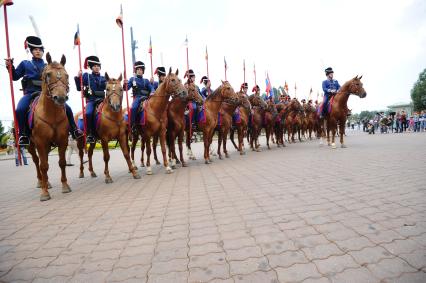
423 120
411 124
416 121
11 142
72 147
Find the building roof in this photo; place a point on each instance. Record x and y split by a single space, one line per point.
400 104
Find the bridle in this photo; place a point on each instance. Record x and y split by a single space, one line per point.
60 81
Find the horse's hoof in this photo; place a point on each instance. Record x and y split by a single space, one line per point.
258 150
206 161
157 162
269 148
136 176
108 180
184 164
135 167
66 189
142 165
148 171
44 197
343 145
220 157
329 144
173 166
81 175
333 146
93 174
226 155
242 152
169 170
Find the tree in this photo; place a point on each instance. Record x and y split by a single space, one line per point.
366 115
3 135
418 92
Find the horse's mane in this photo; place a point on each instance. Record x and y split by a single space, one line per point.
215 93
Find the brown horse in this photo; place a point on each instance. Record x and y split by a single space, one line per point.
156 116
50 124
339 110
293 120
269 121
211 109
81 145
112 126
242 124
279 123
227 110
176 122
259 107
311 119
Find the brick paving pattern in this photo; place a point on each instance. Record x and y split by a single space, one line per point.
300 214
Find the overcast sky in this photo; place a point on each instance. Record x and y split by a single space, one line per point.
293 40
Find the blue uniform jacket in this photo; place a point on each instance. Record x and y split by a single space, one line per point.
95 81
141 84
31 70
204 92
329 85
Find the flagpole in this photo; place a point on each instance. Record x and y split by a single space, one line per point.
83 108
244 68
254 68
226 67
187 54
124 63
207 63
150 55
12 92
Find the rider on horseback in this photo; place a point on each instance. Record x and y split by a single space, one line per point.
141 89
31 71
94 90
191 80
255 90
330 88
206 90
161 73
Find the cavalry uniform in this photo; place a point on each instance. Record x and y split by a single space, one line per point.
255 90
94 90
206 90
141 90
330 87
30 71
161 73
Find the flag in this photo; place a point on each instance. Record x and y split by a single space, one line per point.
119 19
77 37
224 61
207 54
286 86
269 90
150 46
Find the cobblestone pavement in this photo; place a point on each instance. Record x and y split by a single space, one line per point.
300 214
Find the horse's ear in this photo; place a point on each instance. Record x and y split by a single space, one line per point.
48 58
63 60
177 72
120 77
223 82
170 70
360 77
106 76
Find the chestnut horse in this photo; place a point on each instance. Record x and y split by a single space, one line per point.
111 125
279 123
339 110
269 121
311 119
242 124
227 110
258 115
50 124
176 122
155 124
208 124
293 120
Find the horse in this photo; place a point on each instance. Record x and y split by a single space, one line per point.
311 119
50 124
226 113
279 123
81 143
241 124
339 110
209 117
293 120
258 114
176 122
111 125
154 114
269 121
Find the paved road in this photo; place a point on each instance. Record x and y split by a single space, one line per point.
299 214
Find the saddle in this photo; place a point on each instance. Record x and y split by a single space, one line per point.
329 106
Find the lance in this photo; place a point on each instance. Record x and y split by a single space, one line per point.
150 56
226 66
12 93
83 108
295 88
254 71
119 22
244 68
187 54
207 62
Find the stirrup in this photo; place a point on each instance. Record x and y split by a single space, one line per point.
90 139
77 133
23 141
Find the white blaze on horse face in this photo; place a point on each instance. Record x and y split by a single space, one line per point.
113 87
58 75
